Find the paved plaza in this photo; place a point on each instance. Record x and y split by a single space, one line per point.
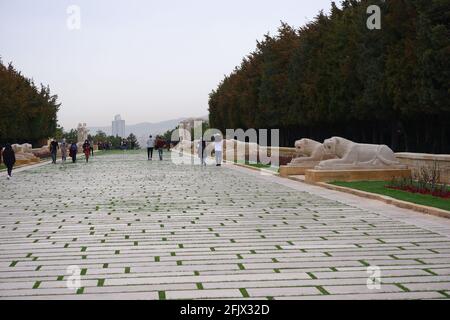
138 229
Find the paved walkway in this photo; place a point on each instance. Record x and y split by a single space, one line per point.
137 229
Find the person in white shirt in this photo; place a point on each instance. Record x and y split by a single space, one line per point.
150 147
218 149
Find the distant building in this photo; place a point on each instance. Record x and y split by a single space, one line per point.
118 127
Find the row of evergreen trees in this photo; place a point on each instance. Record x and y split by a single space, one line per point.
334 76
27 113
99 138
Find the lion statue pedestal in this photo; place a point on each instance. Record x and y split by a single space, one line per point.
357 162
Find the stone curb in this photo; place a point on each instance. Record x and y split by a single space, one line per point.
253 168
388 200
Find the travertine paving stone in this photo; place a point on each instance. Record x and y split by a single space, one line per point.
138 229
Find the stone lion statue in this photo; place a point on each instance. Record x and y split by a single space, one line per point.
25 148
353 155
311 153
24 154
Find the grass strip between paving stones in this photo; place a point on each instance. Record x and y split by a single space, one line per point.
244 292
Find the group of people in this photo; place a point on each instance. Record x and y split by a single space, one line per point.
105 145
8 156
71 149
88 150
157 143
124 144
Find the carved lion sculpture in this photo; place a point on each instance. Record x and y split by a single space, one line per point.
23 153
25 148
353 155
311 151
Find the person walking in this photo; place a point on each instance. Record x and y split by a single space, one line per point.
92 148
87 150
54 150
63 150
9 159
201 151
218 149
160 147
73 152
150 147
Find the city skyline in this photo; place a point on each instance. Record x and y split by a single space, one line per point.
147 60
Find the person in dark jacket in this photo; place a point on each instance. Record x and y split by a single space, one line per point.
201 151
9 159
73 152
92 148
54 146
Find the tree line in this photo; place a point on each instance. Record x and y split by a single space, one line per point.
334 76
114 142
28 113
100 138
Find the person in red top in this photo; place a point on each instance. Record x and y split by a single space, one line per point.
160 143
87 150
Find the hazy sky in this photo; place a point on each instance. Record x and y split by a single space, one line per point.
149 60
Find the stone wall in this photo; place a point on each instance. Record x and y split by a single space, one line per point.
419 160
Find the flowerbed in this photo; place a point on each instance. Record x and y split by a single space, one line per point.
445 194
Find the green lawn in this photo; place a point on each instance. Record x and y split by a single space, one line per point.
2 166
379 187
259 165
111 152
